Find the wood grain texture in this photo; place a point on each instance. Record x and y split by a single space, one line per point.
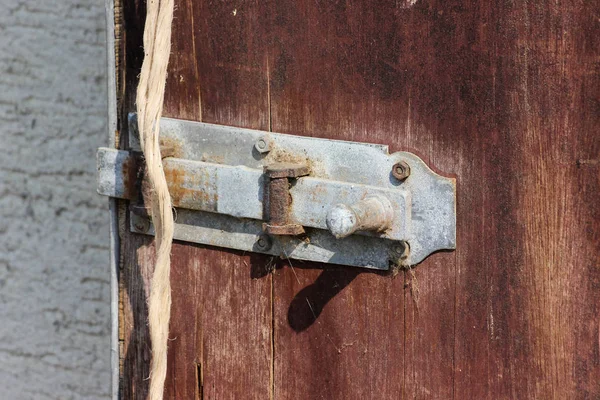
502 95
338 333
221 317
361 89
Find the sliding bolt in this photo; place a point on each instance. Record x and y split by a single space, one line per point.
375 213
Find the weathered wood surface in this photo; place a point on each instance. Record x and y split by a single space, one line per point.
221 318
502 95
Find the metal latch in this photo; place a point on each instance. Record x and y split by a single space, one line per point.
291 196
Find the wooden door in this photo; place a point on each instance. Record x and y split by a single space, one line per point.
503 95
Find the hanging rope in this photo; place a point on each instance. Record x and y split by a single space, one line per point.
150 97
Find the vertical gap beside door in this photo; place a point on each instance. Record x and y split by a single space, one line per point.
272 335
199 381
272 277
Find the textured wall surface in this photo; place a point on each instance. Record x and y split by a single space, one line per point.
54 276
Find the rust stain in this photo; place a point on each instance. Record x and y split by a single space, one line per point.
279 198
215 159
175 181
170 147
315 167
318 192
283 156
132 167
192 191
129 177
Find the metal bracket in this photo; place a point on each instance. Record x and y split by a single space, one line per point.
292 196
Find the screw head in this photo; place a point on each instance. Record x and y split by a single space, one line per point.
263 145
141 224
264 243
402 250
401 170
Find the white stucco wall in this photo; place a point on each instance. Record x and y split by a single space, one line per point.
54 275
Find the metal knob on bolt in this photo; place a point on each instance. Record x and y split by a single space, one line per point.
374 213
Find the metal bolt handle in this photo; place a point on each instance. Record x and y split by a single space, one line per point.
371 214
279 198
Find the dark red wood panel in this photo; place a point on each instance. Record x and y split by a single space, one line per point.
182 97
234 341
135 277
354 72
232 58
221 317
502 95
133 317
220 324
338 333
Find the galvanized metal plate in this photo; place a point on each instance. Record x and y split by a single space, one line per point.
230 161
244 234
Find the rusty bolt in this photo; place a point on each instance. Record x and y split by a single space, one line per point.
279 199
401 170
264 243
263 145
